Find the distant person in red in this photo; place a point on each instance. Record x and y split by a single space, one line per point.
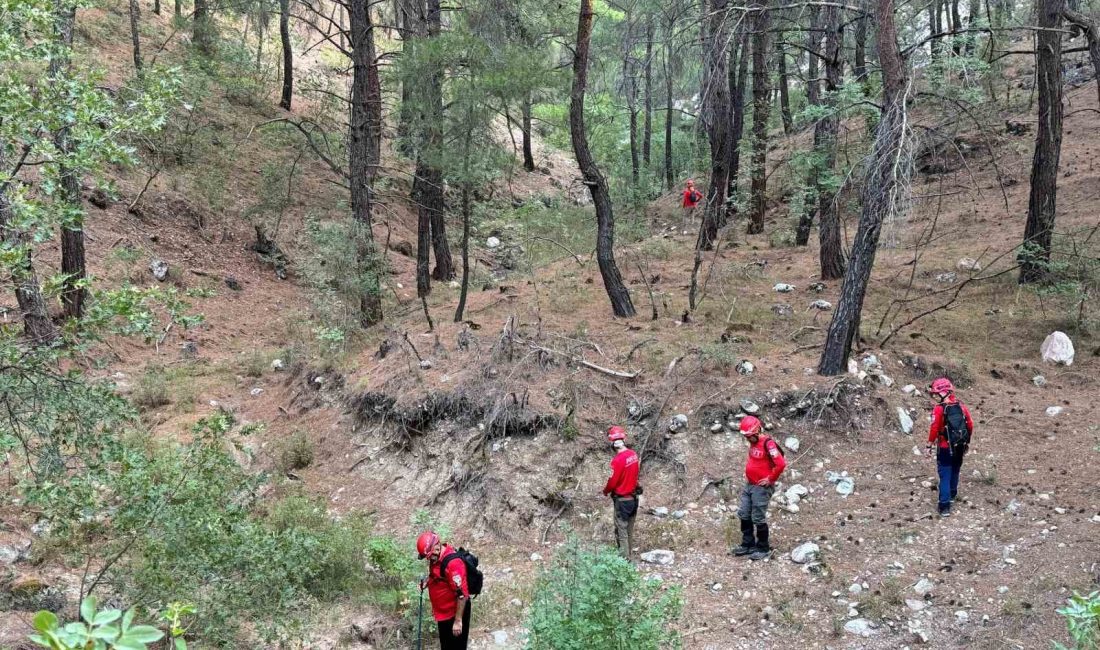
692 197
623 489
950 432
447 590
765 464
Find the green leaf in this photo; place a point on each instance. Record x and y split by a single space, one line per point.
87 609
128 620
144 634
44 621
181 644
106 633
106 617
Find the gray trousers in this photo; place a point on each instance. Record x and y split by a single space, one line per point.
626 510
754 503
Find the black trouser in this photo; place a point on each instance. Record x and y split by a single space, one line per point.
447 640
626 509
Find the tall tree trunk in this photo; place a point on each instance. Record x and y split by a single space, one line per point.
760 106
410 26
468 141
135 35
202 28
738 81
1092 36
433 142
956 24
261 25
784 90
716 119
859 56
177 9
813 37
156 7
813 97
288 55
361 168
630 89
37 326
528 152
886 176
934 27
647 89
831 251
73 265
670 115
617 292
1034 257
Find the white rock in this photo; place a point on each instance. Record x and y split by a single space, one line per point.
492 242
968 264
909 389
870 362
500 637
1013 506
795 493
845 486
516 603
745 367
792 443
886 380
924 587
855 589
1057 348
535 557
905 421
1039 380
716 427
660 511
946 278
750 407
1054 410
804 553
255 392
822 305
962 616
678 422
915 604
659 556
277 365
783 288
917 630
716 586
853 367
679 514
916 450
859 627
425 364
159 269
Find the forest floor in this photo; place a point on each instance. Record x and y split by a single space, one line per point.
1023 539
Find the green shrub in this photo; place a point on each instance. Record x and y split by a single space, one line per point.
296 452
152 389
1082 614
103 630
597 599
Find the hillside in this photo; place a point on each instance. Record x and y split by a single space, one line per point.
495 426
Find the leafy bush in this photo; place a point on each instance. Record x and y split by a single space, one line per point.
101 630
597 599
151 390
1082 614
296 452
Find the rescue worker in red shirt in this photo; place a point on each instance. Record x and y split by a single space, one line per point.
447 591
623 489
691 198
950 432
765 464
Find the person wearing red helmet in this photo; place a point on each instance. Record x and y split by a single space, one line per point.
622 487
447 590
950 435
691 199
765 464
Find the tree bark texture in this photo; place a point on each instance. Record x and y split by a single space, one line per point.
670 115
859 56
37 326
135 35
156 7
784 89
813 38
885 178
715 95
361 161
528 152
288 55
738 80
1034 257
617 292
760 107
1092 36
630 89
813 97
647 91
202 28
831 253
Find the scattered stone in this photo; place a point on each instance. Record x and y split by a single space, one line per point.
845 484
795 493
1057 348
678 422
924 587
783 288
745 367
886 380
805 553
817 287
859 627
679 514
1013 507
159 269
1039 380
871 362
782 309
750 407
535 557
962 616
909 389
516 603
968 264
853 367
947 278
492 242
425 364
1060 511
915 604
716 427
1052 411
660 512
855 589
233 283
917 630
278 365
905 421
716 586
500 637
792 443
822 305
256 392
659 556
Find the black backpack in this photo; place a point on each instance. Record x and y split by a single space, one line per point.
474 577
955 429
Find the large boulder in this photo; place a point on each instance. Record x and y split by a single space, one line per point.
1057 348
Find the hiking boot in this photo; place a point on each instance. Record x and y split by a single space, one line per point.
743 550
763 547
945 511
748 539
761 554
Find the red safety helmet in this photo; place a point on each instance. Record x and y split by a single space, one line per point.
616 433
690 182
751 426
425 543
943 387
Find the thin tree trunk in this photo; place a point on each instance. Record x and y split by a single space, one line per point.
1034 256
784 90
670 115
202 27
813 37
716 118
831 251
156 7
885 178
433 141
360 167
956 24
288 55
934 27
465 220
261 25
135 35
738 81
1092 36
630 89
859 57
647 89
617 292
178 9
760 106
528 152
813 97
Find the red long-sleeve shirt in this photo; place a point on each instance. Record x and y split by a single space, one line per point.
692 197
445 584
765 461
939 425
624 474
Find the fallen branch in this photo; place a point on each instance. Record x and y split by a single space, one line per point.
587 364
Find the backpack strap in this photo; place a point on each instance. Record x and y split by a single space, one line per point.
445 562
765 439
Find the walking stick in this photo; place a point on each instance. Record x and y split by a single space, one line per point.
420 618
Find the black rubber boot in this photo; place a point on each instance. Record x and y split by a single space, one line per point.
748 540
763 548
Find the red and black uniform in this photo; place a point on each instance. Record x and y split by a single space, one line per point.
765 461
445 585
622 488
938 430
692 197
949 459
